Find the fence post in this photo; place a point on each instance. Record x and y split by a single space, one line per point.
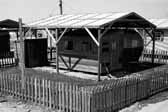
43 92
50 100
22 64
35 86
70 95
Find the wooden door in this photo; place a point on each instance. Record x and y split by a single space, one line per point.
116 48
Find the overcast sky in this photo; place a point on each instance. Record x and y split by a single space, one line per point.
31 10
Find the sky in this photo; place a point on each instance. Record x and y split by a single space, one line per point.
30 10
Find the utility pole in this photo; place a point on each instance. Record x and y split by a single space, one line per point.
60 5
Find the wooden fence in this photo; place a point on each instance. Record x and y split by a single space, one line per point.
106 96
160 56
56 95
7 59
120 93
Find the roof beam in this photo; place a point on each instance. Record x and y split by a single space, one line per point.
131 20
92 36
29 32
151 35
60 37
51 36
104 32
136 29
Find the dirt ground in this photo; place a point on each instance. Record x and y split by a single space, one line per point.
10 104
156 103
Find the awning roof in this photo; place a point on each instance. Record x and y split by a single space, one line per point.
92 21
160 23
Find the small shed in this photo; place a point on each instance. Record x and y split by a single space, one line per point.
35 52
4 41
6 26
108 40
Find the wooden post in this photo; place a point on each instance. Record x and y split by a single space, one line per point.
145 38
57 55
153 47
35 33
60 5
70 63
21 61
50 48
99 52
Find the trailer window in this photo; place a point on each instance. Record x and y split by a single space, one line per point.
68 45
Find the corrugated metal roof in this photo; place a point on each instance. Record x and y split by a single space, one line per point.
78 20
160 23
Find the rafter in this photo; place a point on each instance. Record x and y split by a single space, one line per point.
51 36
60 37
92 36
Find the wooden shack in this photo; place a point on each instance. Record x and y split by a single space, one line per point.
104 41
4 41
119 47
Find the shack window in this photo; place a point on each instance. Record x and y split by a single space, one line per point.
68 45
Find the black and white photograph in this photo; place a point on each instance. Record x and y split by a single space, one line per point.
84 56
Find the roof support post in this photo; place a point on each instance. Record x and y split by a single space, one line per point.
99 55
35 33
152 35
153 48
57 55
91 35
